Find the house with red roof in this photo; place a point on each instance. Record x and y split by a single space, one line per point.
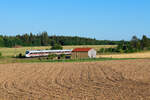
81 53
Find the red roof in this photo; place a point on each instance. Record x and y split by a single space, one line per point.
81 49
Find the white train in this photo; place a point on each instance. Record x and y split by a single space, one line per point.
42 53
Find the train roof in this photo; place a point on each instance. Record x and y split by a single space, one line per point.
50 50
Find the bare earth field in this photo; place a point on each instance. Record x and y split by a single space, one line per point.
105 80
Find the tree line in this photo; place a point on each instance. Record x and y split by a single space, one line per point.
43 39
134 45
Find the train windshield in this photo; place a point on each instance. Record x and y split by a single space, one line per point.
27 52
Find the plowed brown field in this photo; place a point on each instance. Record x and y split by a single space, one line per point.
105 80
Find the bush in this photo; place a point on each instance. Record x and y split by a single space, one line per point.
0 54
52 56
107 50
56 47
63 56
121 51
101 50
20 56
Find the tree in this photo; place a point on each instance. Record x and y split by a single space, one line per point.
145 42
57 47
135 43
53 42
1 42
25 40
8 42
0 54
44 38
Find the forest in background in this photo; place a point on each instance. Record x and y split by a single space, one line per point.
43 39
134 45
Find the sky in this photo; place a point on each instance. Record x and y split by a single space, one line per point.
100 19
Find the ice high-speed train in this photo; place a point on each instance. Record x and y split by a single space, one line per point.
42 53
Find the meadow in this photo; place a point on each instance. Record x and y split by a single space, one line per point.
15 51
143 54
8 54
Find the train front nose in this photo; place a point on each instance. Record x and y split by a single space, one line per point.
27 54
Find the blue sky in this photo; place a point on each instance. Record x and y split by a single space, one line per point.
100 19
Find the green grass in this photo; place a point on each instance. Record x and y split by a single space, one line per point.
9 53
89 60
15 51
6 60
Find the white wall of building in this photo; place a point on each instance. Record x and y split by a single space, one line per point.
92 53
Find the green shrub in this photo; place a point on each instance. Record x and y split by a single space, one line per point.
56 47
20 55
0 54
63 56
121 51
52 56
101 50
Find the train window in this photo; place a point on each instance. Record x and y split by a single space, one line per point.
27 52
